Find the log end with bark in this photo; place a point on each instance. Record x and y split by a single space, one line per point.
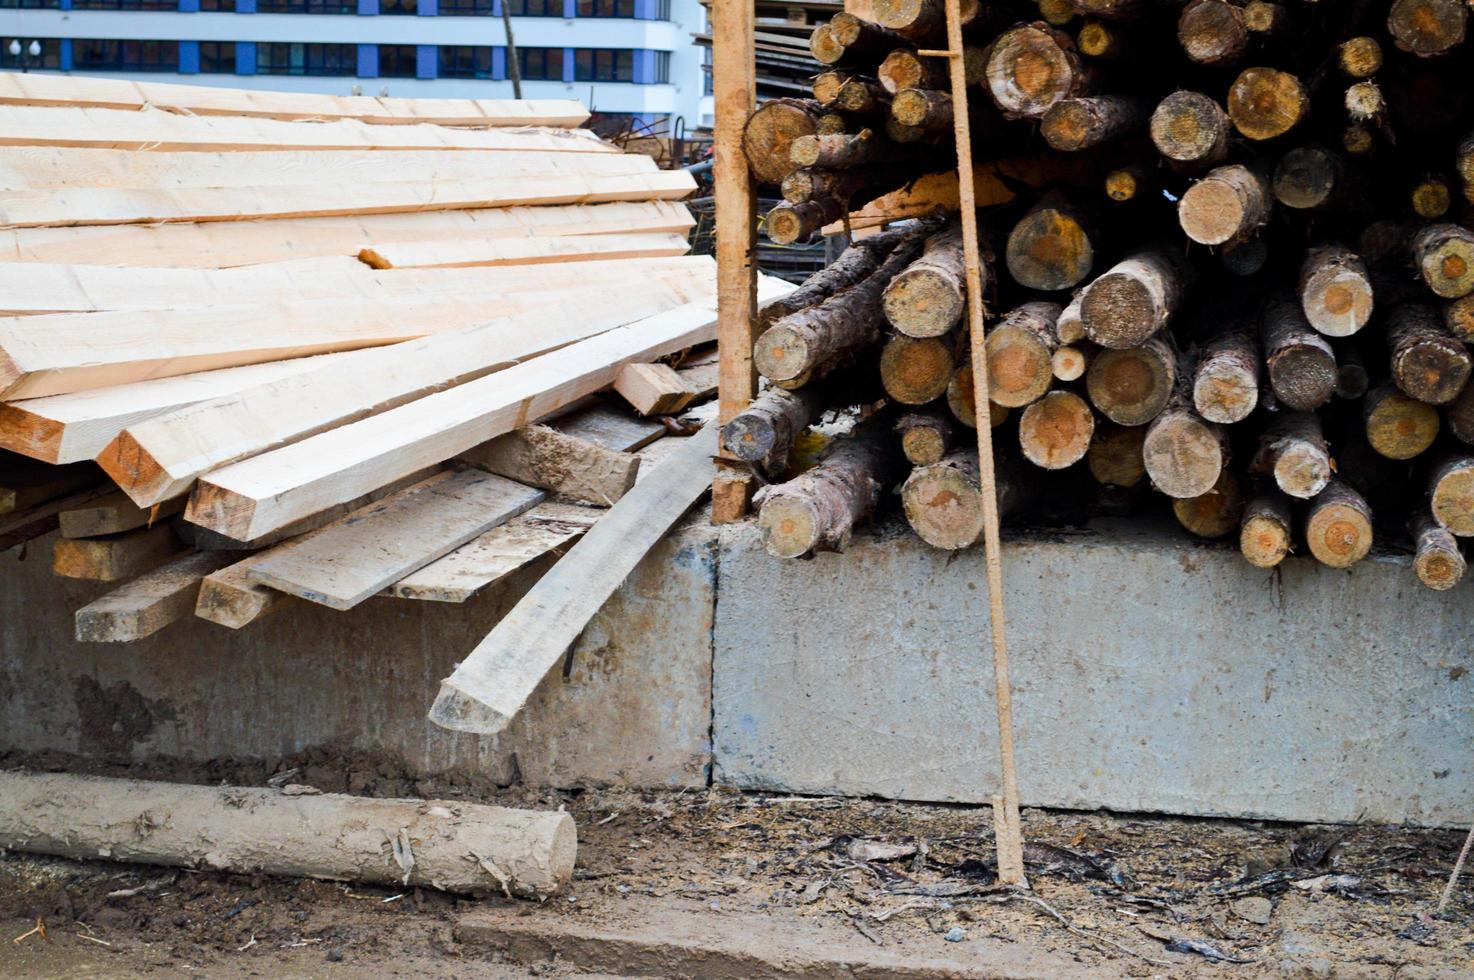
1437 559
1265 103
1265 531
1056 430
1398 427
1338 528
1215 514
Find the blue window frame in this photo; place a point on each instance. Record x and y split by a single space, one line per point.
464 61
292 58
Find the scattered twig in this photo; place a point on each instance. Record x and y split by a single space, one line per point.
1073 930
91 940
39 929
1453 879
242 949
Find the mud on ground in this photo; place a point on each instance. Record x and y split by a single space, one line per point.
1118 895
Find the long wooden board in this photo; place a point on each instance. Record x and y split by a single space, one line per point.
124 205
521 251
238 243
24 483
76 91
27 525
490 686
371 548
148 603
116 557
162 456
114 514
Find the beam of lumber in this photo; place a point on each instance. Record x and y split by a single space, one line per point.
124 205
59 168
490 686
25 483
522 251
114 514
204 100
548 528
451 846
256 495
350 560
27 525
150 602
234 243
653 389
701 375
77 426
607 426
158 130
114 558
543 457
162 456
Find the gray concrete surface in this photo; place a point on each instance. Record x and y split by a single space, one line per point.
1151 673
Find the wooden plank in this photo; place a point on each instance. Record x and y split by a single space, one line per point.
147 604
522 251
543 457
222 244
76 91
161 457
259 494
604 425
27 525
22 125
114 514
356 557
76 426
701 375
490 686
25 483
123 205
652 389
114 558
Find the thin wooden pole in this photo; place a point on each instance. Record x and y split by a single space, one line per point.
1006 823
734 79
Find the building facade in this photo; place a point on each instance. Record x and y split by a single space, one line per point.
631 61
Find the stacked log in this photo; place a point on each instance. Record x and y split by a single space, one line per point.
1229 258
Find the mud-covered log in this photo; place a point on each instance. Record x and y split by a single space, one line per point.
1114 456
1444 257
1437 559
1226 387
1338 526
927 435
1215 514
1135 298
1300 363
1428 28
1397 426
1132 386
818 510
1428 363
944 501
1451 494
1293 450
764 432
1265 103
1032 67
1072 125
1335 290
1184 454
1265 530
916 370
1229 205
1019 354
1190 129
1055 431
1052 247
1212 32
770 132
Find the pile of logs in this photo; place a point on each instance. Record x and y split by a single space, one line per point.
1228 259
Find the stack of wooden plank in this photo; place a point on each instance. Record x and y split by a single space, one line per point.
781 31
258 348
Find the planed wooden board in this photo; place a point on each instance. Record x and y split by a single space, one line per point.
491 684
77 91
148 603
256 495
27 525
76 426
161 457
125 205
543 457
25 483
238 243
653 389
607 426
356 557
114 514
153 129
114 558
522 251
700 375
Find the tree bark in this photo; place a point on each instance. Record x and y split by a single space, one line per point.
1397 426
1265 530
1114 456
1184 455
1212 32
1055 431
1428 363
903 68
1451 494
1135 298
1019 351
928 297
1265 103
1215 514
1299 361
1052 247
770 132
809 184
1427 28
1032 67
788 223
764 432
1437 558
1132 386
1070 328
1444 256
1335 290
1072 125
853 265
1226 387
847 38
1229 205
1112 9
914 370
926 435
861 96
1293 450
1338 527
840 151
944 501
1190 128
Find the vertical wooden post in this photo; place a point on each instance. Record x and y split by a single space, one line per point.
734 78
1006 824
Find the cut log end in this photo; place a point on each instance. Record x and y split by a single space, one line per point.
944 503
1335 291
1191 128
1265 103
1132 386
916 371
1228 205
1264 535
1428 28
1030 70
1069 363
1184 455
1213 32
1049 250
1214 514
781 353
789 526
1360 57
1445 258
1339 528
1397 426
1452 496
1020 350
1056 430
1114 456
1120 310
1438 563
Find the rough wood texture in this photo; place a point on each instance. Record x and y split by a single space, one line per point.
1299 361
231 598
1055 431
1229 205
926 298
1265 103
818 510
1265 533
1051 247
652 389
1213 32
1226 387
1183 454
903 68
1444 257
838 151
768 137
1397 426
1032 67
1428 363
1294 452
1019 354
148 603
926 436
1214 514
1359 57
765 431
1427 28
1070 363
114 514
1451 494
1134 299
1338 526
944 500
1072 125
1437 559
1335 290
1114 456
1190 128
115 558
1459 412
922 109
1132 386
853 265
539 456
915 371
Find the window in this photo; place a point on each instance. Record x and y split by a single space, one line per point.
465 61
30 5
217 6
406 8
50 56
662 67
541 64
534 8
125 4
598 65
662 9
217 57
465 8
397 61
306 7
606 8
288 58
99 55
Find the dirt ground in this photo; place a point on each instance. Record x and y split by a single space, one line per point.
1117 895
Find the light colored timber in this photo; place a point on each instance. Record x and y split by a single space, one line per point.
492 683
254 496
653 389
114 558
606 425
114 514
158 130
25 483
354 558
148 603
234 243
201 100
522 251
540 456
161 457
106 205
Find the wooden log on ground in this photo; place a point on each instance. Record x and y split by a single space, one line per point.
1191 129
926 299
1019 349
148 603
1226 387
1265 532
1184 455
943 501
1132 386
451 846
1114 456
1451 494
915 371
1134 299
1072 125
1227 206
1427 28
1051 247
769 134
1335 290
1294 452
1338 526
1031 67
1214 514
818 510
1398 426
114 514
1444 257
1428 363
1299 361
1437 559
1055 431
926 436
1212 32
543 457
765 431
1265 103
114 558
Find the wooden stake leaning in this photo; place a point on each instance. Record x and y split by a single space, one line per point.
1006 824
